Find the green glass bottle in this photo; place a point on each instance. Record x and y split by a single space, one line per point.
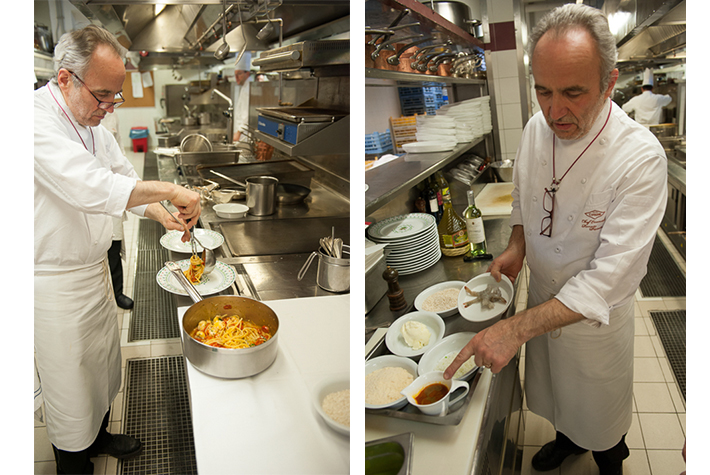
474 226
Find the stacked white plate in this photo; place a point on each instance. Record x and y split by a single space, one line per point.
412 241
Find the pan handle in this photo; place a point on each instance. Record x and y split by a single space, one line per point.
186 284
228 179
305 267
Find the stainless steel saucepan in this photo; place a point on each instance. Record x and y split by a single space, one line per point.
226 363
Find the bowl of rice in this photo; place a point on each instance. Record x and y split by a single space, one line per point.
440 356
385 377
331 398
441 298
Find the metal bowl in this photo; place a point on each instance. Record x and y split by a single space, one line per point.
227 362
504 170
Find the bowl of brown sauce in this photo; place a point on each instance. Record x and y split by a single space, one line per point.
431 393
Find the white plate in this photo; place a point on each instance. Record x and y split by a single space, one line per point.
216 281
329 385
428 147
422 267
423 295
388 361
395 341
211 239
417 252
454 342
230 210
420 263
475 313
427 236
398 227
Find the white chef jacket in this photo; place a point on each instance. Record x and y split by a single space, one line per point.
607 211
647 107
241 110
77 190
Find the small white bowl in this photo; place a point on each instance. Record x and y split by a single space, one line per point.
329 385
440 407
450 344
474 313
388 361
395 341
230 210
425 294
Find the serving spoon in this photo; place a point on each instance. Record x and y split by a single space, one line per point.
208 256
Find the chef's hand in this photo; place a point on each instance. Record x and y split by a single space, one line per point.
189 209
494 347
510 262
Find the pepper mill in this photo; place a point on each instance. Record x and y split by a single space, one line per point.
394 292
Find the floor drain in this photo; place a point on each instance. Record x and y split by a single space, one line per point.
671 330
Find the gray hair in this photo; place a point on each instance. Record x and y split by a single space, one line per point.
571 16
74 50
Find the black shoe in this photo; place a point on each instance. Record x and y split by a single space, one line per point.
550 457
124 302
120 446
612 470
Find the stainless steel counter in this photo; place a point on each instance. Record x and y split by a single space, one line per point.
268 251
496 445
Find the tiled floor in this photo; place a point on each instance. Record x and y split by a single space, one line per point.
655 439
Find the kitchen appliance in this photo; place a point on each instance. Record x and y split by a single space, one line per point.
305 54
226 362
294 124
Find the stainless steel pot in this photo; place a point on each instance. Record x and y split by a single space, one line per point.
261 195
333 273
205 118
226 362
459 14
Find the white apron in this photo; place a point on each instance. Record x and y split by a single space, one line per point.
77 351
580 378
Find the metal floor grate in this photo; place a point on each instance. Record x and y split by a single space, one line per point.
157 411
670 326
664 278
155 309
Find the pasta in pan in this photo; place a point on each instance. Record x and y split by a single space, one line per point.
194 272
230 332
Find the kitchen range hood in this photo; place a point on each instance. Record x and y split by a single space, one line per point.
192 31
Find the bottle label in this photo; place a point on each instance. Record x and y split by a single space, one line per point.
476 233
456 240
433 206
446 194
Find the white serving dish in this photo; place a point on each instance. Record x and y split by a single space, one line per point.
475 313
230 210
388 361
395 341
423 295
452 343
329 385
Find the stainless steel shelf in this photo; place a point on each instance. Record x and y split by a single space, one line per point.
417 79
389 180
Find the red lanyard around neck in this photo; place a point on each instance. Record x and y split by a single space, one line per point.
555 182
93 144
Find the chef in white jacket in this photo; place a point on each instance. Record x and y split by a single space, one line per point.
241 106
590 192
647 107
81 181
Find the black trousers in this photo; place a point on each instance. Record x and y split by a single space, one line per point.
79 462
114 263
610 458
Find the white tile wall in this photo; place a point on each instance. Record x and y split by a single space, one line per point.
500 11
504 70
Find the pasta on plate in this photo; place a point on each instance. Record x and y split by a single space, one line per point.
230 332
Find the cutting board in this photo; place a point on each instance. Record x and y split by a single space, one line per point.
495 199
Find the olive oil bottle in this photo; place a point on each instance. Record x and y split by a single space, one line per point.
453 235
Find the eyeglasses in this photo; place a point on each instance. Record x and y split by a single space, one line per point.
104 105
548 204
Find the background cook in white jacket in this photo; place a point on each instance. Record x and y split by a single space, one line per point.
610 201
647 107
81 181
241 106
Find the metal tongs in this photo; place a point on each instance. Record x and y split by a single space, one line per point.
208 257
